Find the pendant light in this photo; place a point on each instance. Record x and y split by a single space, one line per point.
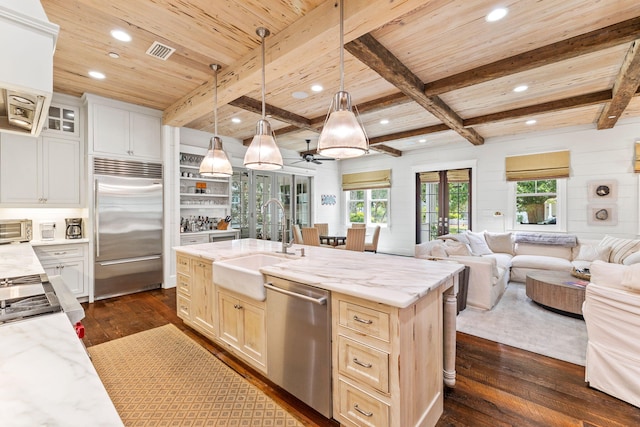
342 135
263 153
215 163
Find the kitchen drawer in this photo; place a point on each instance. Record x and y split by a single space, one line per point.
184 284
184 307
360 408
364 320
363 363
193 240
59 252
183 265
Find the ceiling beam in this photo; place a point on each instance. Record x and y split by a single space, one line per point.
624 88
613 35
375 56
374 142
315 34
387 150
279 114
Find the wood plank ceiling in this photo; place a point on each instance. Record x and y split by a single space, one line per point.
435 70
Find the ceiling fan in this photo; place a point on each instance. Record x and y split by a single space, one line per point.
312 158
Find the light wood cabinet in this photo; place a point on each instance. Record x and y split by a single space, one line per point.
242 325
69 261
47 169
195 294
386 366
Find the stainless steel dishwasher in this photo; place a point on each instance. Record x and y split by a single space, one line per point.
299 342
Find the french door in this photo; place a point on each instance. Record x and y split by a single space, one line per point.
443 203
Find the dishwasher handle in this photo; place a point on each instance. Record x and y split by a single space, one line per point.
319 301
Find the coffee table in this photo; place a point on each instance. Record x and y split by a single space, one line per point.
557 290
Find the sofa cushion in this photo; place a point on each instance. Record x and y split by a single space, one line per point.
453 247
620 248
607 274
499 242
478 243
543 250
593 253
439 251
631 277
502 260
541 262
634 258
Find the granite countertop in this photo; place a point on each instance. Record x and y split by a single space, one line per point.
394 280
48 378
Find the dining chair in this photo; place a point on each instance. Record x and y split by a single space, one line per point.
323 228
359 225
310 236
372 246
297 235
355 240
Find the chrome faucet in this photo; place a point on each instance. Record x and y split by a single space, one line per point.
285 245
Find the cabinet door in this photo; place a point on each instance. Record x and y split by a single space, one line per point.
110 130
254 331
61 171
20 164
229 319
202 300
145 136
72 273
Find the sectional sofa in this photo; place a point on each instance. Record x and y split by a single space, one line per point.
495 259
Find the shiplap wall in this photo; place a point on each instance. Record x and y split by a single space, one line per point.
606 154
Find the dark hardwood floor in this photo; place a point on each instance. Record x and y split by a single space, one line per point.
497 385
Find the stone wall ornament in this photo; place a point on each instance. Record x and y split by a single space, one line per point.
602 191
328 199
602 215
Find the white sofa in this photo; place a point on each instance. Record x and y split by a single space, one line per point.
496 258
612 314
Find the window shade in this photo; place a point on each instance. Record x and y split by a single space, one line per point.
636 168
366 180
454 175
429 177
538 166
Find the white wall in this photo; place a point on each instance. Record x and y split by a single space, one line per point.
605 154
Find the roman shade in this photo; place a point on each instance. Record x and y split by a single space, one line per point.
366 180
538 166
454 175
636 167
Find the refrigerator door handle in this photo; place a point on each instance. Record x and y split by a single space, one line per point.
128 260
96 217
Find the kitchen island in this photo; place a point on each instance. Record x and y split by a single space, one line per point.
395 313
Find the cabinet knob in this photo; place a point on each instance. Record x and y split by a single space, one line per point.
237 306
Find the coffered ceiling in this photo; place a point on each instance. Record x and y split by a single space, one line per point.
436 70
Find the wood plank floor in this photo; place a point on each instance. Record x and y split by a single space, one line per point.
497 385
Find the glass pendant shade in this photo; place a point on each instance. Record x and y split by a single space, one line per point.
216 163
263 153
342 136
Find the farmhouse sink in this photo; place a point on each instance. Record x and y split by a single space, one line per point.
243 275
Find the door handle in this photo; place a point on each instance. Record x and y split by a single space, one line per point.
319 301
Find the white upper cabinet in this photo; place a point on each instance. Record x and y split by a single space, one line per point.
123 130
63 121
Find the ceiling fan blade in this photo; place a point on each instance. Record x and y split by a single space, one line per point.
316 161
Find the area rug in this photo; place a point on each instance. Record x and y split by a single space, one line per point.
519 322
161 377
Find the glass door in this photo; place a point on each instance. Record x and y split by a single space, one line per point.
302 208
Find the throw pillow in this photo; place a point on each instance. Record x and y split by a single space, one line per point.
607 274
631 277
593 252
620 248
499 242
457 237
634 258
456 248
478 244
439 251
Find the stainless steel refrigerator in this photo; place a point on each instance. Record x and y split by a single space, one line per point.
127 227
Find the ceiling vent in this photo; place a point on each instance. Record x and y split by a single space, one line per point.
160 51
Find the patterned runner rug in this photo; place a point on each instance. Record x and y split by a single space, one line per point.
161 377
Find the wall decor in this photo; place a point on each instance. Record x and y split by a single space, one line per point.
602 190
328 199
602 215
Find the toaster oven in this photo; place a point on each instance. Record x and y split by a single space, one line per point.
15 230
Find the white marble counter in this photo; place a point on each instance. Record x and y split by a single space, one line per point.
18 259
57 242
394 280
48 378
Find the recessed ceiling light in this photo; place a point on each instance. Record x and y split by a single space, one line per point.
496 14
300 95
520 88
422 140
120 35
384 121
97 75
531 122
236 120
612 117
114 55
317 88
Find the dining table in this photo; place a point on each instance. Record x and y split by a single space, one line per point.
333 240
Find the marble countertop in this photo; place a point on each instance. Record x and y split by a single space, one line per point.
48 378
394 280
57 242
18 259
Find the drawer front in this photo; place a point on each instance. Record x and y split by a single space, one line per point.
59 252
184 307
194 240
363 363
184 284
365 320
361 408
182 265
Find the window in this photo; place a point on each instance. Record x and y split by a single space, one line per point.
369 207
539 205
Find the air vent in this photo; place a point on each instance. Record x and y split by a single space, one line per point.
160 51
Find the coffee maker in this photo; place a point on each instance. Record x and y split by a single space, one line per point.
74 228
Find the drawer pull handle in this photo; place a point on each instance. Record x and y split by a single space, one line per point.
237 306
363 364
59 253
365 413
365 321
